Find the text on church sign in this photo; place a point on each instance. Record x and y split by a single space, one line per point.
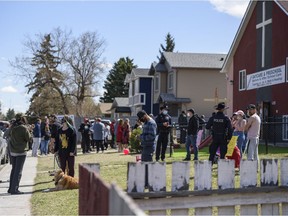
267 77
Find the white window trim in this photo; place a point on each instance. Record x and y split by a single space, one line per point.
286 69
172 80
243 80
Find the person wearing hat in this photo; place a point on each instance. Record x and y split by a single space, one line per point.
221 127
65 145
239 128
163 121
148 136
253 131
191 138
84 129
19 137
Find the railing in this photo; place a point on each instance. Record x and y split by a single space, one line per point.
137 99
257 191
99 198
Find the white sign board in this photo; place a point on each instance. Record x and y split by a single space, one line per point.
268 77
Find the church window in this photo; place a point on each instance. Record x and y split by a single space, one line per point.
242 80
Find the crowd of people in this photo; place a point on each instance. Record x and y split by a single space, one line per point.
49 135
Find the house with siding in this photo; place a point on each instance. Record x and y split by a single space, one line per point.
120 108
188 80
140 90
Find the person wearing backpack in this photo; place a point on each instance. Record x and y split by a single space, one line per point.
192 130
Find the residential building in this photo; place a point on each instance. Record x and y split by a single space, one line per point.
140 90
188 80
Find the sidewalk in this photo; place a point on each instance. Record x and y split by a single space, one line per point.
18 204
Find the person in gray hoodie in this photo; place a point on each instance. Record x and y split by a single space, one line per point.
98 134
19 145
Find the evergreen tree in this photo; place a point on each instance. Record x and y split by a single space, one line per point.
170 45
10 114
114 84
47 76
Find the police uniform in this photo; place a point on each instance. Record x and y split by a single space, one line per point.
163 133
222 131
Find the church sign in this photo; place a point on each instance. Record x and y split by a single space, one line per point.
267 77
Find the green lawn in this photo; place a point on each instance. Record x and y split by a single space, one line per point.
113 168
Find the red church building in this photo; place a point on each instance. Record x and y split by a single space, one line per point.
256 65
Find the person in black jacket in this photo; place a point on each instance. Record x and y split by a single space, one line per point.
221 131
192 131
85 131
182 121
163 121
65 145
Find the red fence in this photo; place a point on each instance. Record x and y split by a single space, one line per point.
95 196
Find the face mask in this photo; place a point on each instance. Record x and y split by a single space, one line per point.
165 112
188 114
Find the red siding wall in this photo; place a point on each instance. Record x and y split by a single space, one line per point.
280 52
245 58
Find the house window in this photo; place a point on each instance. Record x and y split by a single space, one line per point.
242 80
287 69
132 88
170 80
136 87
156 83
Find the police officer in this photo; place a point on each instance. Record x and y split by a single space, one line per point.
221 131
163 121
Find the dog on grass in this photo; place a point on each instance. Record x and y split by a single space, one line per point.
64 182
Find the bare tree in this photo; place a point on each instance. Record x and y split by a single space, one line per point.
83 58
79 64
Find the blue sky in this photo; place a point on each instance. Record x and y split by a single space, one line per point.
130 28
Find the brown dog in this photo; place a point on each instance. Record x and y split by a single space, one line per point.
64 182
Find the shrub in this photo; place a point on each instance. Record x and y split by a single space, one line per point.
135 143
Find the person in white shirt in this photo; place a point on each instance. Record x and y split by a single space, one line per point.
253 131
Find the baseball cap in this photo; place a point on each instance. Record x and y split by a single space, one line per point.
251 106
141 114
240 112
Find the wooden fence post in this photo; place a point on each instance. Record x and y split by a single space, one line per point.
136 177
226 174
157 181
180 182
203 181
269 177
284 181
248 178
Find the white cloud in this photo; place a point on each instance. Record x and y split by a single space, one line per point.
8 89
235 8
3 58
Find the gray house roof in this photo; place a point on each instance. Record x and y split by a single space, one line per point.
140 71
120 102
194 60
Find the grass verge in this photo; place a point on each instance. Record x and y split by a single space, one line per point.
113 168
